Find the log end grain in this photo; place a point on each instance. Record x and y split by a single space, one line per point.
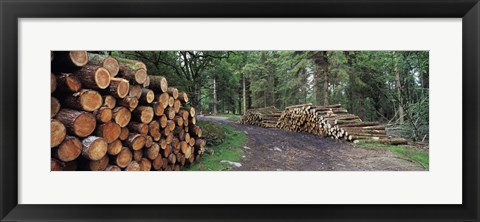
79 58
57 132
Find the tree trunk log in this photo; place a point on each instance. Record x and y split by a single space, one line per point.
78 123
118 88
158 83
67 82
69 150
87 100
107 62
93 77
94 148
121 116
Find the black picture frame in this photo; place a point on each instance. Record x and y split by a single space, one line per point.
12 10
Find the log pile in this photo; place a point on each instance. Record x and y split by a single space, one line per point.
264 117
108 114
335 122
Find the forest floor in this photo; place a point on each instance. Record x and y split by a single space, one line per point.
271 149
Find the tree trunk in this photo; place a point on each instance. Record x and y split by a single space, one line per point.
123 158
121 116
94 148
69 83
54 106
78 123
214 97
158 83
109 131
93 77
115 147
107 62
118 88
103 115
87 100
57 132
399 91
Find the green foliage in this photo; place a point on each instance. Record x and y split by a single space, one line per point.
213 132
231 149
364 82
418 156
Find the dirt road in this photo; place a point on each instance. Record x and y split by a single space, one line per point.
276 150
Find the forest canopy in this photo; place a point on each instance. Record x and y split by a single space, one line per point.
386 86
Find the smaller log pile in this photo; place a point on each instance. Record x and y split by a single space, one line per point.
335 122
264 117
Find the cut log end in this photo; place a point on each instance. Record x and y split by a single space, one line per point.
94 148
79 58
70 149
57 132
102 78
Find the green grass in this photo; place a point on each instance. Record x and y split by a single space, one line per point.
410 153
232 117
231 149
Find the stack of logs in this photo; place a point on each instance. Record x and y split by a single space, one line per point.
108 114
335 122
264 117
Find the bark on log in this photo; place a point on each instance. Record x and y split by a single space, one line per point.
147 96
158 83
129 102
170 113
136 141
87 100
183 97
135 91
103 114
94 148
153 152
78 123
173 92
93 77
67 82
137 76
158 108
118 88
136 127
69 60
106 61
143 114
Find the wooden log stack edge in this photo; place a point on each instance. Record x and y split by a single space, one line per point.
264 117
108 114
